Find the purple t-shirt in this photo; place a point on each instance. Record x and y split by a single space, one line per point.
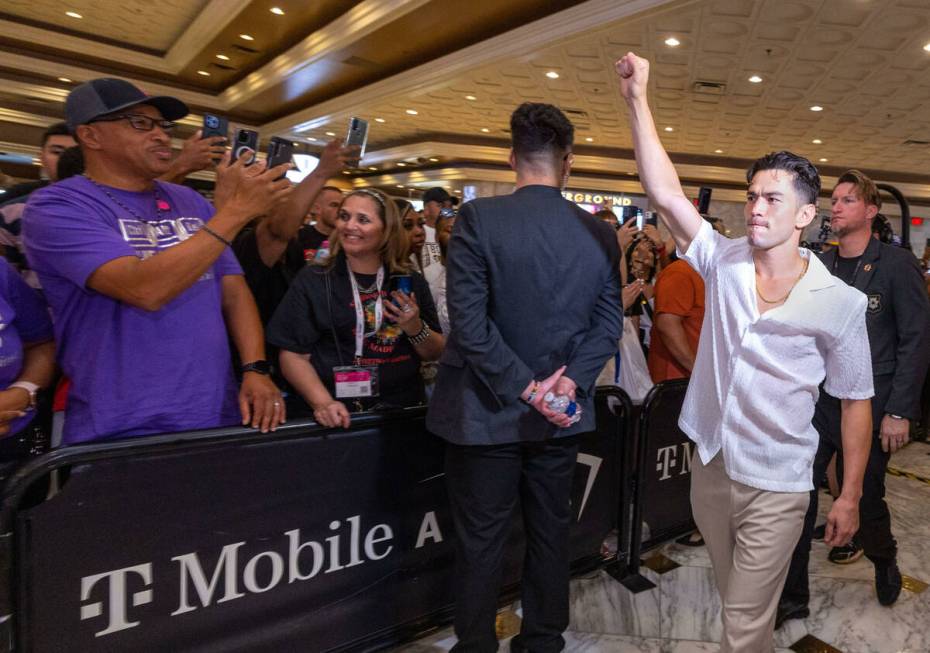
23 319
132 371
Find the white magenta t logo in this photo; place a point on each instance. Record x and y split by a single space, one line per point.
117 599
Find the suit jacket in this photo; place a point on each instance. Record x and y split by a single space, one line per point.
898 322
532 284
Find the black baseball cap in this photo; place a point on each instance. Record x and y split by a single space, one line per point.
105 95
436 194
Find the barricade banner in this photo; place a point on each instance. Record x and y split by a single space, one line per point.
664 482
304 540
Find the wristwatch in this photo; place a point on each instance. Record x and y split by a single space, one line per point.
29 387
262 367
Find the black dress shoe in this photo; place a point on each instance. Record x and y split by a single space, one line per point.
788 611
887 581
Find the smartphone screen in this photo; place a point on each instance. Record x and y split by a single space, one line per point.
639 221
652 218
358 135
246 139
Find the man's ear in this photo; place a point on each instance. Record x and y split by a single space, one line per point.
806 215
512 159
870 211
89 137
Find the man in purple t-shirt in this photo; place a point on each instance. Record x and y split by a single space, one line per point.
144 291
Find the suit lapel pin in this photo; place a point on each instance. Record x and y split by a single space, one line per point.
867 267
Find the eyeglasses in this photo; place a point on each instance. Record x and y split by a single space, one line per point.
140 122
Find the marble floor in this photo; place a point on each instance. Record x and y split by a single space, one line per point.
681 614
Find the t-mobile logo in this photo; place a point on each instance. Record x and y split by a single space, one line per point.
117 595
667 459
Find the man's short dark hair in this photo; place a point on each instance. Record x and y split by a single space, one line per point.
70 163
335 188
58 129
540 129
806 177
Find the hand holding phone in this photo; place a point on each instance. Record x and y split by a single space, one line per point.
245 145
358 136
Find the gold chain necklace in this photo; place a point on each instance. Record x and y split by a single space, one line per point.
779 301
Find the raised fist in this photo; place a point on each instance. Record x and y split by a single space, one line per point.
634 75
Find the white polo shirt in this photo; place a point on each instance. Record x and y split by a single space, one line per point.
756 377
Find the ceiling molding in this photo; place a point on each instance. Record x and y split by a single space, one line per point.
355 24
24 118
212 20
551 30
85 46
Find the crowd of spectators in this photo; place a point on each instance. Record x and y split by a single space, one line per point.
154 310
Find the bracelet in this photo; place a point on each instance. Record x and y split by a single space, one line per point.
216 235
535 391
421 336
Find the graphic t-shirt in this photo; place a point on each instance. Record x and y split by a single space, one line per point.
23 319
304 324
315 245
133 372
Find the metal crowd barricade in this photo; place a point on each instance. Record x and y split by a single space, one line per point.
304 539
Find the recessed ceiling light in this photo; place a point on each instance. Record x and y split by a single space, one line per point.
64 79
669 129
379 119
457 191
412 112
471 97
433 159
672 42
552 74
816 107
401 164
246 37
330 133
485 130
399 186
222 57
73 14
718 151
589 139
346 172
277 11
824 160
203 72
372 168
816 141
755 79
927 47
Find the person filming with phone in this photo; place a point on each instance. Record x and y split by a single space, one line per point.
145 290
353 331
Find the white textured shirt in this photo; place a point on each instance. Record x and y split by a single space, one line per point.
756 377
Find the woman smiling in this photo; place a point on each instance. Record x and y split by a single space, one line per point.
350 337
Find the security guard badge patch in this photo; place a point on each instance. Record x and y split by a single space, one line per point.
875 303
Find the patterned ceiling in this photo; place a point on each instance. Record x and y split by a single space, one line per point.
152 25
862 61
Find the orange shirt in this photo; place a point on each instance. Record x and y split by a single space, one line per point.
679 290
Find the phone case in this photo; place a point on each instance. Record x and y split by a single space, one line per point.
245 139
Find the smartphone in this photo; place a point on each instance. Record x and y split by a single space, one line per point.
280 150
652 218
402 283
245 139
627 213
215 126
358 135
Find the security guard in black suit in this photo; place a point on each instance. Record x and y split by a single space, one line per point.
534 301
898 322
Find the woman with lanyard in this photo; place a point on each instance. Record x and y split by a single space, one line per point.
351 336
27 364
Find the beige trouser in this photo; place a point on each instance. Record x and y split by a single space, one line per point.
750 535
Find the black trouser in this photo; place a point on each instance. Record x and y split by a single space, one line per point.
484 483
874 519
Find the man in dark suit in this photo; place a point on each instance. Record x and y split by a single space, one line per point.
533 293
898 323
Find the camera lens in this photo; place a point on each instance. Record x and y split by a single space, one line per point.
243 137
213 122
